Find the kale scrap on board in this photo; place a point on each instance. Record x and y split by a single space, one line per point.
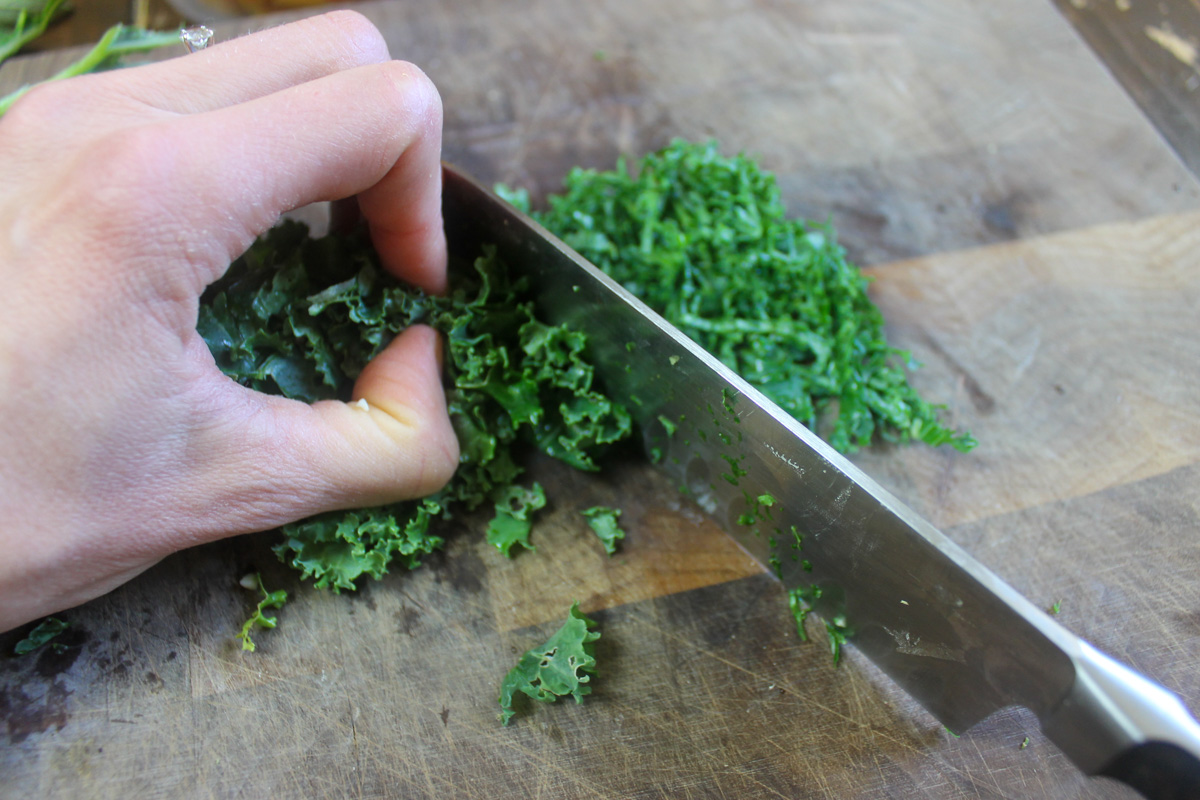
705 240
562 666
300 317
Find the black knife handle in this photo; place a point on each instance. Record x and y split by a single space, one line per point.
1119 723
1159 770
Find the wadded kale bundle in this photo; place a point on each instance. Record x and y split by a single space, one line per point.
701 237
301 317
705 241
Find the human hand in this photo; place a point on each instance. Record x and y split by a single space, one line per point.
123 195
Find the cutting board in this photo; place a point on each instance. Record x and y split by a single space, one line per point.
1033 242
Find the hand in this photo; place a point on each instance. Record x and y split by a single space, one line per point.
122 196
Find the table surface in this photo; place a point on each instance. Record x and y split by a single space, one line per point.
1033 239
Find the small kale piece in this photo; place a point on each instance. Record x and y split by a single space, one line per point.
560 667
704 240
604 522
512 524
258 618
301 317
45 630
805 599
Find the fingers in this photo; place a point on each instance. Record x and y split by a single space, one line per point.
288 460
228 174
254 66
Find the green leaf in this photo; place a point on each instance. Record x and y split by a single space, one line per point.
511 525
258 619
561 667
604 522
45 630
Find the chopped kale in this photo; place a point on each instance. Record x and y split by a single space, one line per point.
705 240
560 667
512 523
301 317
42 634
258 618
604 522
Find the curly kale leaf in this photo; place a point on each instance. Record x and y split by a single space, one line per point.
512 523
258 618
705 241
562 666
42 634
301 317
604 522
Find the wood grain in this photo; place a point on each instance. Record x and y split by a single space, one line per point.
1071 358
1034 243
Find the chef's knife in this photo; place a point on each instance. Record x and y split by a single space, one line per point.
958 639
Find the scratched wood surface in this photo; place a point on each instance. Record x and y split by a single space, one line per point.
1034 242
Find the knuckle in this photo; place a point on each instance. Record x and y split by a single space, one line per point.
41 106
412 89
360 41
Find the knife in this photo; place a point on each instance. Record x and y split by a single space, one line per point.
953 635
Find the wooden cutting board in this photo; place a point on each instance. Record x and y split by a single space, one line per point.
1033 242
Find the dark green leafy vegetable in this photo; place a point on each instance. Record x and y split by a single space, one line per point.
705 241
604 522
560 667
45 630
258 618
301 317
512 523
805 599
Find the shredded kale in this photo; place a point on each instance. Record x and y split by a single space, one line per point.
258 618
705 240
604 522
562 666
42 633
301 317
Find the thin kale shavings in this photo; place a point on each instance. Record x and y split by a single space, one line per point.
562 666
300 317
705 240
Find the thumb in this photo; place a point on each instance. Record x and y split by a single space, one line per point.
392 442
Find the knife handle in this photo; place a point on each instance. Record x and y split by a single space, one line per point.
1159 770
1118 723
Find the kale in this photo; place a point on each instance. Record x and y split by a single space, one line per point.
258 618
562 666
301 317
705 240
42 633
603 521
512 523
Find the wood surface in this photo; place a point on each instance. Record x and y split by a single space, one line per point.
1034 243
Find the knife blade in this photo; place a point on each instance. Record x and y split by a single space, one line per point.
951 633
